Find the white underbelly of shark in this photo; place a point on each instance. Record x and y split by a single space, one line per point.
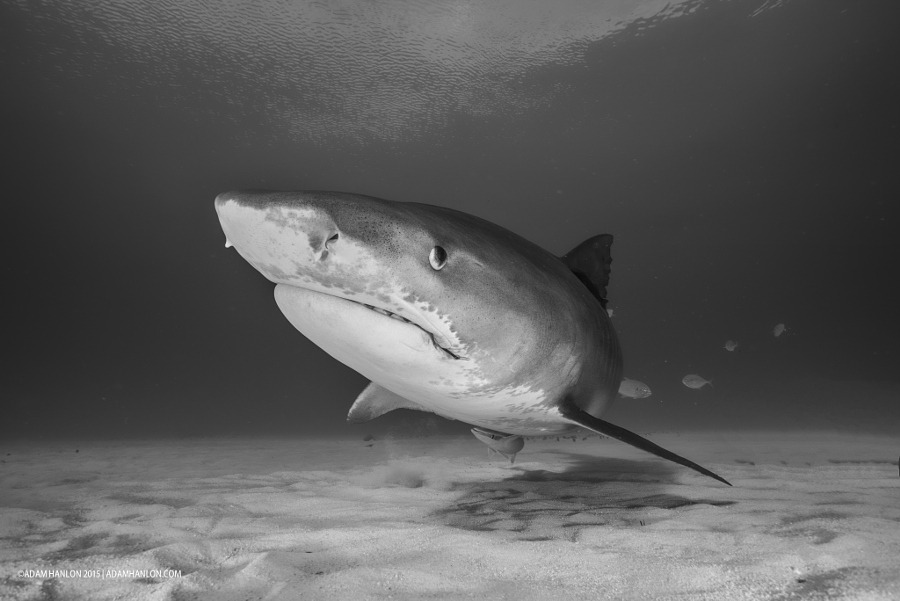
405 359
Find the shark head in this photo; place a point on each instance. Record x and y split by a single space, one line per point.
438 306
344 247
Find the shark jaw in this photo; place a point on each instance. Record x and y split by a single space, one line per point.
387 349
361 320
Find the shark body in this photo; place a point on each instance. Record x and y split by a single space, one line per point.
443 311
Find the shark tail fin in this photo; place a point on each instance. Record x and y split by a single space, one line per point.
571 412
590 262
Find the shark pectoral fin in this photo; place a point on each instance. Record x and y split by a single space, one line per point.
507 445
374 401
571 412
590 261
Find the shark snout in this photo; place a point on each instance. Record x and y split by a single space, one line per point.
266 218
224 197
285 238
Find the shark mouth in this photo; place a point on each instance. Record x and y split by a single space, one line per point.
434 338
450 354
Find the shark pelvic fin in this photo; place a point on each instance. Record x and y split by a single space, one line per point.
374 401
507 445
575 415
590 262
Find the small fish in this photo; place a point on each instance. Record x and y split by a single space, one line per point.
695 381
731 345
779 330
609 312
633 389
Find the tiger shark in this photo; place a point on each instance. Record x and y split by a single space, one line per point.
443 311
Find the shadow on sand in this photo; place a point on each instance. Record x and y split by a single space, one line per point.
543 505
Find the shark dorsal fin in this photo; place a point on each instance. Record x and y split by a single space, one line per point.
374 401
590 262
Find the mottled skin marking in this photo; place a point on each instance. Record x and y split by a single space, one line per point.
527 331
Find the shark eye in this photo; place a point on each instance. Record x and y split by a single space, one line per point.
328 242
437 257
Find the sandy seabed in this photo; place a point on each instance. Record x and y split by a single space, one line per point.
813 515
